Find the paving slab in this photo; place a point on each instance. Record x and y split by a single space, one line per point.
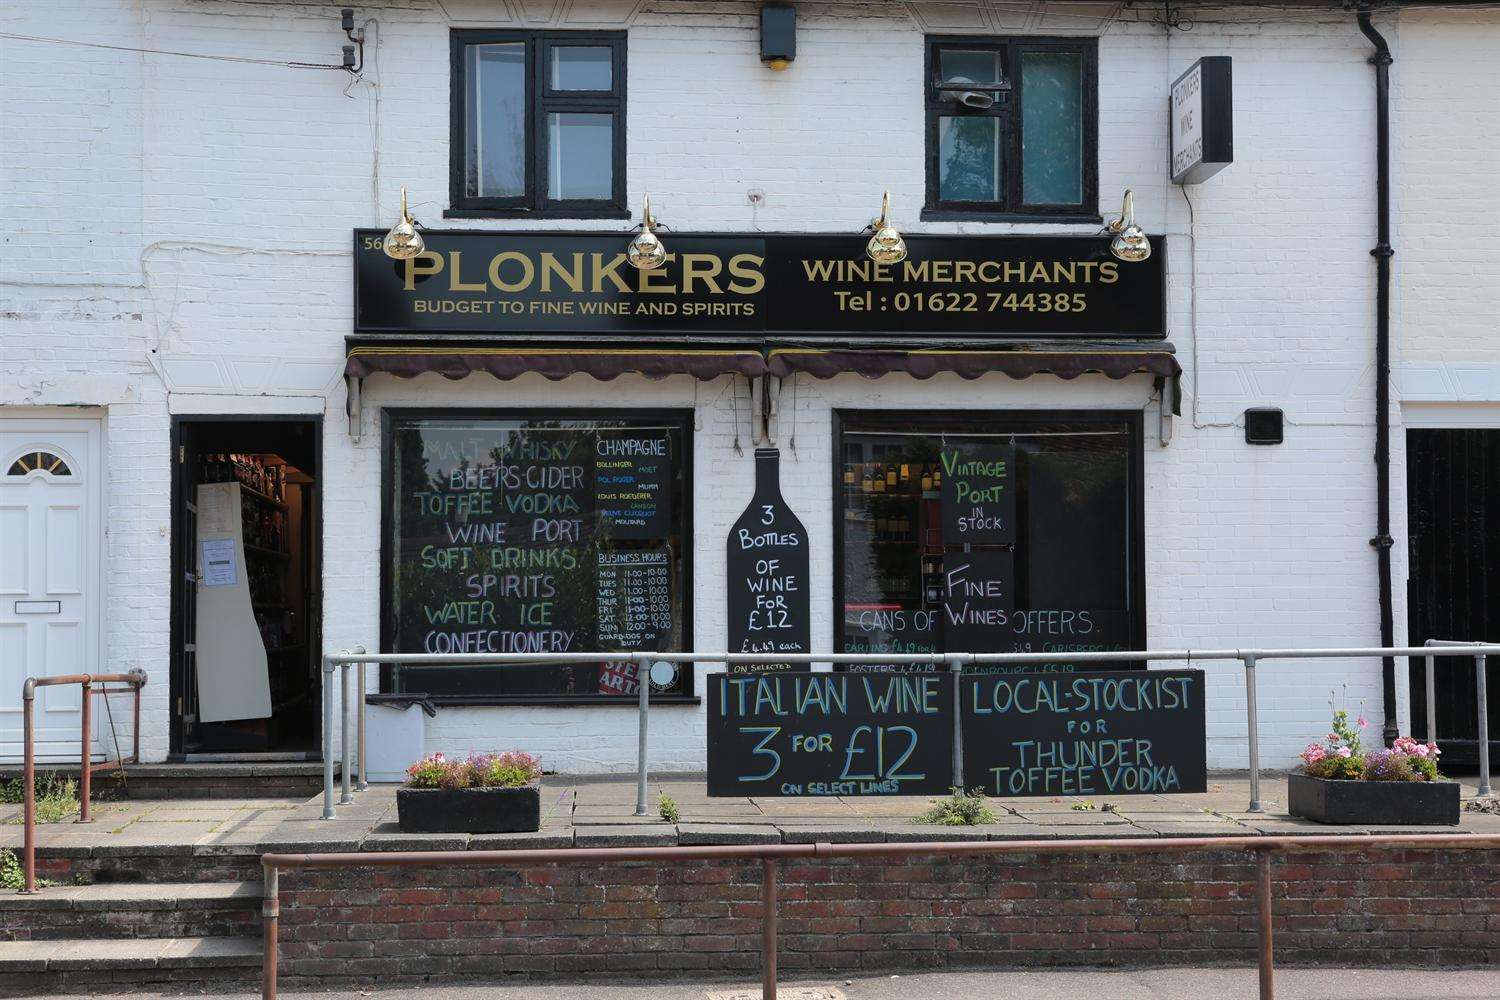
542 841
727 833
637 835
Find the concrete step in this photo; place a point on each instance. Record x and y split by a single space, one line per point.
74 964
132 910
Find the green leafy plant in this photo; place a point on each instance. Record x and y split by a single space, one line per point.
1084 806
960 808
667 806
56 796
12 875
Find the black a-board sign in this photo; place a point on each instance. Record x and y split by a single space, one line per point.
810 734
1096 733
978 492
767 567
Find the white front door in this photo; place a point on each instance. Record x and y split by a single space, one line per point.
50 541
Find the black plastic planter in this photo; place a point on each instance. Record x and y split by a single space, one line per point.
469 810
1325 800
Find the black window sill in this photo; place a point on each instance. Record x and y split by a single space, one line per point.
525 213
548 700
967 215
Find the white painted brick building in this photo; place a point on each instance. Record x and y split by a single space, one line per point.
181 191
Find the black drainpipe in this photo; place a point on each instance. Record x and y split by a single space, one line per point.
1382 253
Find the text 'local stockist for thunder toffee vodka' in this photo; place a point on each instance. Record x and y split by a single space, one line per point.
572 529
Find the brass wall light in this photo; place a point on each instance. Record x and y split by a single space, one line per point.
646 250
403 242
1130 243
886 246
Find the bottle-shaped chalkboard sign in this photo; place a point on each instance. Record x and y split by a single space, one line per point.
769 606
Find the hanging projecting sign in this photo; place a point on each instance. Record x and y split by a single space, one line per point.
1201 108
767 574
727 287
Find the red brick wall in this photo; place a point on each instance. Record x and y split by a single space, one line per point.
840 916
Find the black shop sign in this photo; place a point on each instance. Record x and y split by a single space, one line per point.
768 602
814 734
1096 733
726 286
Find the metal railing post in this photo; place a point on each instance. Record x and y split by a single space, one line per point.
270 912
956 666
140 683
328 737
28 698
1253 734
643 681
768 929
359 721
1482 694
1263 905
85 754
344 795
1431 697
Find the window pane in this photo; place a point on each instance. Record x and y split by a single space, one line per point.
533 535
969 166
582 67
1064 580
495 112
1052 128
969 66
580 157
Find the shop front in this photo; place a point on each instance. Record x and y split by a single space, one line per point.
568 444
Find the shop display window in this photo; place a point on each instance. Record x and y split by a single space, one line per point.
538 123
988 532
1012 127
536 533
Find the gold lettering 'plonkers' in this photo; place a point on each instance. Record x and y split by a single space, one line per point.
610 271
745 269
528 271
423 264
455 275
704 267
552 266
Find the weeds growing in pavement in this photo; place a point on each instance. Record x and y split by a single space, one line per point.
960 808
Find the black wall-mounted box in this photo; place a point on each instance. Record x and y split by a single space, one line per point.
778 34
1263 425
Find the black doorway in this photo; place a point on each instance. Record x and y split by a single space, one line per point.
274 465
1453 513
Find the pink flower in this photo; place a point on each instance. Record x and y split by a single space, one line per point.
1419 750
1345 752
1362 722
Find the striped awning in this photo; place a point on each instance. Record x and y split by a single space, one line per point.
609 361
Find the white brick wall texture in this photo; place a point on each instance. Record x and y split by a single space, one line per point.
178 234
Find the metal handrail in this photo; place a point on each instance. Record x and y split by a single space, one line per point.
135 679
1262 847
1481 692
954 661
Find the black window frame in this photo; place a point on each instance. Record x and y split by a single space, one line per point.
541 100
1012 48
390 416
884 421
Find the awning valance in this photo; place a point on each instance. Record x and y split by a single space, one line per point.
608 361
1018 362
552 362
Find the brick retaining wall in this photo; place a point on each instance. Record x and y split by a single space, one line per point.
840 917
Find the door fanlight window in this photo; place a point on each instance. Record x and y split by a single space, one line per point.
39 461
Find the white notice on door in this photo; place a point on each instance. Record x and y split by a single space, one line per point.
215 513
218 562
